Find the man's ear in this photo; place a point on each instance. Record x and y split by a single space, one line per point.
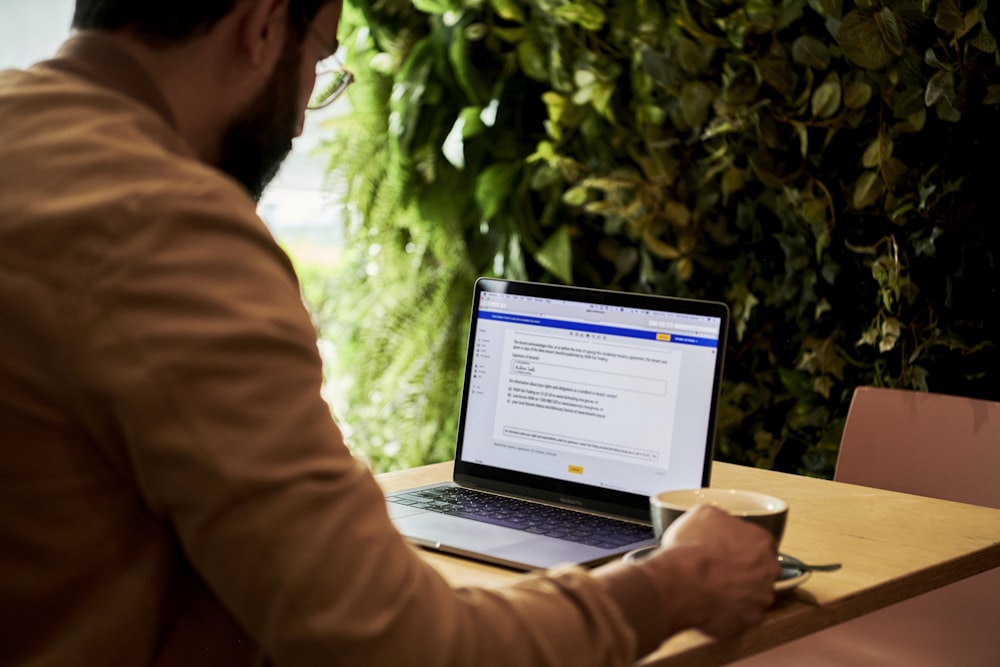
263 29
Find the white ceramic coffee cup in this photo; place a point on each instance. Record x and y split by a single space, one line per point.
768 512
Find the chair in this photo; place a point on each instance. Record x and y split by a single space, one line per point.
926 444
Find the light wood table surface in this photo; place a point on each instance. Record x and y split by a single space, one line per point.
893 546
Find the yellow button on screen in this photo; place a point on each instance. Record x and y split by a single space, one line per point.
665 337
576 470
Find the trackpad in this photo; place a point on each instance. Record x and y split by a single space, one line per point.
430 529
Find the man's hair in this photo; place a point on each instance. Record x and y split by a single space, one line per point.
163 22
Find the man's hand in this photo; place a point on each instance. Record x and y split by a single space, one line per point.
715 572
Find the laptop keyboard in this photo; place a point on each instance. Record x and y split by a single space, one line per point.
530 517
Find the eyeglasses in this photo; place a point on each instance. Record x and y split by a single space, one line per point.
332 79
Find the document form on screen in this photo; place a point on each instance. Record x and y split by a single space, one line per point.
601 397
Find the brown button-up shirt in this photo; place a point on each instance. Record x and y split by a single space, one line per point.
173 489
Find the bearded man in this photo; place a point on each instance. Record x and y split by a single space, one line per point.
173 488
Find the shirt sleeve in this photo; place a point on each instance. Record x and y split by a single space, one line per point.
209 361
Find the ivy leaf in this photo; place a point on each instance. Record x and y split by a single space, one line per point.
869 337
891 329
556 256
822 385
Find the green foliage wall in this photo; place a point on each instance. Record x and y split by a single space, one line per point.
825 167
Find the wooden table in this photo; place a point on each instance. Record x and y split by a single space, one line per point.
893 546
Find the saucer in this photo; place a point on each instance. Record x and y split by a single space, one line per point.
789 578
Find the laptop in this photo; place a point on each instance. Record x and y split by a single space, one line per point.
578 404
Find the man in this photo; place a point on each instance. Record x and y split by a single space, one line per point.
173 490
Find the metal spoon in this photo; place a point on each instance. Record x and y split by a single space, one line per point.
793 562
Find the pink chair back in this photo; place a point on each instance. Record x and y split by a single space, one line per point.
926 444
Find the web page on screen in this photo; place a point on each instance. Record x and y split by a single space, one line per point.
612 397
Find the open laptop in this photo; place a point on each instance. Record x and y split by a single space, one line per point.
583 402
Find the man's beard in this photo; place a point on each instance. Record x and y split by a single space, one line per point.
260 138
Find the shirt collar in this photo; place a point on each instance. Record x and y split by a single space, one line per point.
97 57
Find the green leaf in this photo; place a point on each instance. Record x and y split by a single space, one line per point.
493 187
509 10
465 72
556 256
948 15
877 152
861 39
575 196
583 13
685 269
437 6
857 95
472 122
509 35
940 86
532 60
867 189
890 27
694 58
826 98
809 51
908 102
891 329
696 100
601 97
659 247
778 71
984 39
833 9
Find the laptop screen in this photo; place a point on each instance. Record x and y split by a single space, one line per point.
590 393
